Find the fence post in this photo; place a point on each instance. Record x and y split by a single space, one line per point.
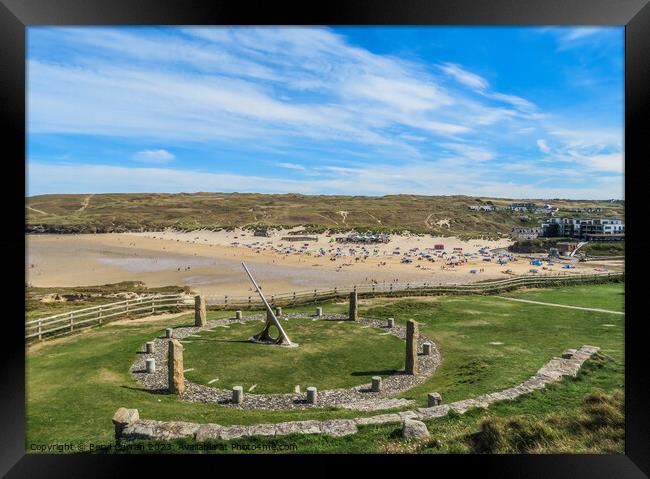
225 302
100 314
40 331
249 303
71 323
153 305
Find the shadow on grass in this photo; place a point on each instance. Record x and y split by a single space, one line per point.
216 340
159 391
384 372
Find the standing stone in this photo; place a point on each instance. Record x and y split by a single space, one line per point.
312 395
319 312
390 323
426 349
169 333
376 384
278 311
237 314
175 370
237 395
354 307
199 311
151 365
150 347
434 399
413 429
411 347
122 418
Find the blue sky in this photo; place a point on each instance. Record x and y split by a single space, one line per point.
487 111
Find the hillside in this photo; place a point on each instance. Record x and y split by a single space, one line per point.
439 215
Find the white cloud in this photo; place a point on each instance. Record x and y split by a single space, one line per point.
544 148
424 178
294 92
291 166
469 152
154 156
465 77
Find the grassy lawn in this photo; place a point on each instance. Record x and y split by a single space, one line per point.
330 355
609 296
75 384
562 418
465 326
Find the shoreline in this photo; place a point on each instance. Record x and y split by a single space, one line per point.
210 262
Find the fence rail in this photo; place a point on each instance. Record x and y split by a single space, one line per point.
400 289
67 323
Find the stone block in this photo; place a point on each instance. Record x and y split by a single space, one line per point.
376 384
354 307
312 395
200 314
411 347
175 371
237 395
414 429
434 399
151 365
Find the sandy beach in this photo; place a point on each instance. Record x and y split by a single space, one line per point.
210 262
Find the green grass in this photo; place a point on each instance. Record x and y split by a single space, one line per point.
75 384
578 415
610 296
392 213
464 326
605 248
330 355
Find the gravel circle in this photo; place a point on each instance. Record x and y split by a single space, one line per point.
359 398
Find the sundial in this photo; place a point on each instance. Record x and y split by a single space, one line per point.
271 320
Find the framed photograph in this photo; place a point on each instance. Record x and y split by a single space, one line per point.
397 232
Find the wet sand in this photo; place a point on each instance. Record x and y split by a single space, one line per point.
210 262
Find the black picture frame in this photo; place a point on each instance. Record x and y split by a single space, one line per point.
16 15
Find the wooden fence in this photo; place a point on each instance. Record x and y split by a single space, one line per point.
297 298
72 321
66 323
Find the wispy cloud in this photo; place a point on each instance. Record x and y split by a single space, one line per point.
465 77
291 166
543 146
335 116
154 156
